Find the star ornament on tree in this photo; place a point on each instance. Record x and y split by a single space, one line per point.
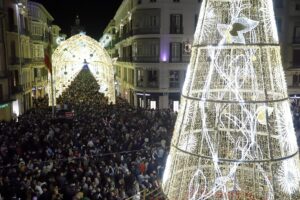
234 32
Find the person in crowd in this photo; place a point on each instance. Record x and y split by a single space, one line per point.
104 151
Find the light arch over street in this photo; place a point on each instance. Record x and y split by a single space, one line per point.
69 58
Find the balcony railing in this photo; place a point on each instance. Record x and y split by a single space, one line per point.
17 61
174 84
150 84
148 30
183 58
126 35
37 60
37 37
40 79
126 59
145 59
176 30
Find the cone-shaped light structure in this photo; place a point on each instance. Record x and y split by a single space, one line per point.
234 136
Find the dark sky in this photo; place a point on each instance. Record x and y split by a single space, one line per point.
94 14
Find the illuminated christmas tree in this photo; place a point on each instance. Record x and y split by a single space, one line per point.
234 136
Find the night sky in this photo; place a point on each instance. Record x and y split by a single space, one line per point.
94 14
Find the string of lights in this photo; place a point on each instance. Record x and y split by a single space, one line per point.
234 136
70 57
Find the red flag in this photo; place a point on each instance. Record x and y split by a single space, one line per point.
47 59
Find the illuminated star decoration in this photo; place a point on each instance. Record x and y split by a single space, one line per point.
234 32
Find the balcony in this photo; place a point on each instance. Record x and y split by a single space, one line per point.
152 84
125 59
17 61
176 30
146 30
40 78
37 37
183 58
149 84
145 59
37 60
126 35
174 84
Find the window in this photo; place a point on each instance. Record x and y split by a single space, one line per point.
279 24
140 78
297 34
153 21
296 58
175 52
152 78
296 80
154 49
176 1
125 74
11 22
174 79
176 24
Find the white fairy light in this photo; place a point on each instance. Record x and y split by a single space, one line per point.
75 52
262 112
188 143
288 177
234 136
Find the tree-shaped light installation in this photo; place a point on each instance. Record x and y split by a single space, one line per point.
70 57
234 136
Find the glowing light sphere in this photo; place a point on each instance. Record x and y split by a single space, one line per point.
72 55
234 136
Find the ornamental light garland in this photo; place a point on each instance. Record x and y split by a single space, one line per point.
70 57
234 136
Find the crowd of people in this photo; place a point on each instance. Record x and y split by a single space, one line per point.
104 151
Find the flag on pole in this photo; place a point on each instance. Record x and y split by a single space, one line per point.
47 58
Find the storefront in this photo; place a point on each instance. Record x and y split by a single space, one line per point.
5 111
148 100
174 101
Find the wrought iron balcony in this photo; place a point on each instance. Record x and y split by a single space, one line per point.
146 30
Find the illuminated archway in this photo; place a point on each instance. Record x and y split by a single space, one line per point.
70 57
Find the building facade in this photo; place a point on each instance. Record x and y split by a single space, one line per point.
25 33
18 54
40 37
150 40
5 99
288 25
